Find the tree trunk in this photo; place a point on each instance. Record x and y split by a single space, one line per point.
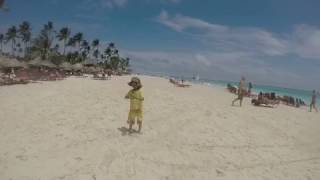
25 49
12 47
64 46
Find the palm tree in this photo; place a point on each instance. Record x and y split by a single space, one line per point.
43 43
111 45
85 49
124 63
55 49
25 33
78 39
71 42
11 35
108 52
115 62
95 45
64 35
96 53
1 42
85 45
19 48
49 28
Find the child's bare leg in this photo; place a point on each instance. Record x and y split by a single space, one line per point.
140 126
234 101
130 126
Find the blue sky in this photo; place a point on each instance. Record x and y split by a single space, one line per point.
274 42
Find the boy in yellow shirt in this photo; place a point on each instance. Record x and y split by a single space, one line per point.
136 99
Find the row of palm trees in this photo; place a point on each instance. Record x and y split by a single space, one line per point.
60 46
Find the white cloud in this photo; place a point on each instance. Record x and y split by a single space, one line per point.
202 60
227 38
113 3
180 23
235 51
98 4
304 41
102 4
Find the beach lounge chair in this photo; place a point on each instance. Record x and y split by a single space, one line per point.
264 101
232 89
178 84
97 77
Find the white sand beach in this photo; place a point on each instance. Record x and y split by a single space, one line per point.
72 130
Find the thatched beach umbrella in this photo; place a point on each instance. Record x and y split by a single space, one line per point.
47 64
35 62
11 63
66 66
88 63
77 67
92 70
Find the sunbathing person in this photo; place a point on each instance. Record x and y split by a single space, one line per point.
179 84
231 89
262 100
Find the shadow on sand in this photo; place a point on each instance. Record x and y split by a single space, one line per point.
125 131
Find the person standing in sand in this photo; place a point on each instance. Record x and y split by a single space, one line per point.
250 88
136 100
313 101
241 91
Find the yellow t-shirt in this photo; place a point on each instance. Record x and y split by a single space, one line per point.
136 99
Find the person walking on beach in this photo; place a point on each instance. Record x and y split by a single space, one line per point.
249 88
313 101
136 101
241 91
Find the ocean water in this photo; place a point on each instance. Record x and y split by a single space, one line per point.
280 91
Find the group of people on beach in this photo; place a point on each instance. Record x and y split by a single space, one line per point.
263 99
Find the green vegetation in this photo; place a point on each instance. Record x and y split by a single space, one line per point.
60 46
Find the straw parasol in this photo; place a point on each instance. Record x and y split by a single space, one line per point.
35 62
48 64
92 70
77 67
89 62
66 66
11 63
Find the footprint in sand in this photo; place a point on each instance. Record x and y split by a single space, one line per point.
108 159
208 113
22 157
219 173
78 158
